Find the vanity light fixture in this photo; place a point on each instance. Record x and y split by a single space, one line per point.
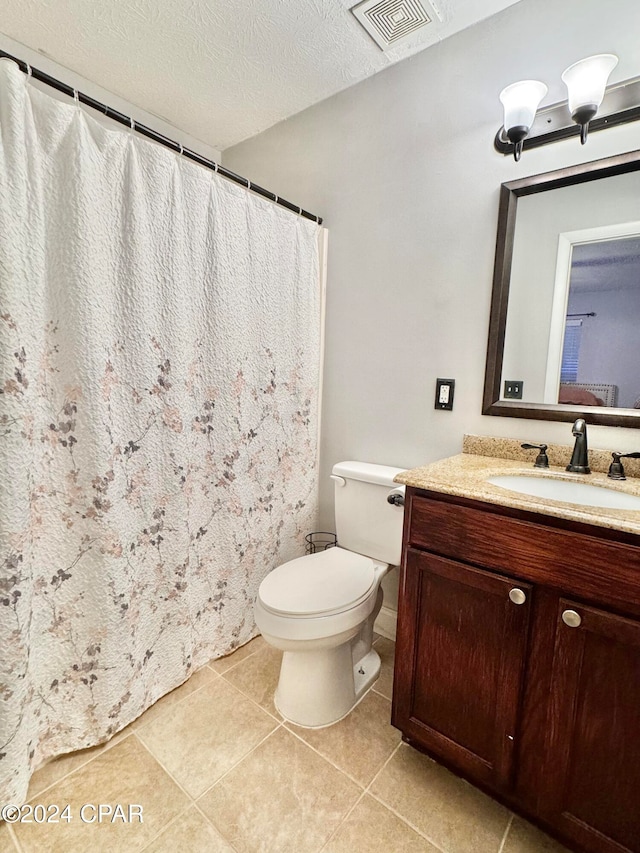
590 105
520 102
585 81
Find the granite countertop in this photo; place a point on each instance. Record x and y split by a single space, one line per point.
466 474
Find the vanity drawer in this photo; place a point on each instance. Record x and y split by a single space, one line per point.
587 566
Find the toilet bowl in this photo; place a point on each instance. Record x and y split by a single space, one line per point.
320 609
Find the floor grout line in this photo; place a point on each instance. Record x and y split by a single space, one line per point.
239 761
396 749
378 693
408 823
193 800
134 732
178 702
283 723
324 757
14 838
275 716
81 766
368 792
397 813
166 770
344 819
211 824
166 826
404 819
278 719
192 805
122 740
191 797
365 788
506 833
237 663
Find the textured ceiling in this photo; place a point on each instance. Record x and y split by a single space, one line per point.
221 70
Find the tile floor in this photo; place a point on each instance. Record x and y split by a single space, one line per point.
217 770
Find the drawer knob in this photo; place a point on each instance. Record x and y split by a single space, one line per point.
571 618
517 596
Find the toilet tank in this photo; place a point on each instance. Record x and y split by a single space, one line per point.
365 522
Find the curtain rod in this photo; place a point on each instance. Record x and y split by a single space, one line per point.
109 112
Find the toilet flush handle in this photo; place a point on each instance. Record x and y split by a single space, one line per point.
396 497
339 481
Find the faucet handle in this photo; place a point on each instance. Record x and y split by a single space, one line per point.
616 469
542 460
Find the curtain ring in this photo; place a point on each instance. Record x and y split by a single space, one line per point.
29 70
181 148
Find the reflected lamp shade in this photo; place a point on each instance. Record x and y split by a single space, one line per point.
520 101
586 81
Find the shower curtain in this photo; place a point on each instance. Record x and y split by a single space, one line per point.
159 370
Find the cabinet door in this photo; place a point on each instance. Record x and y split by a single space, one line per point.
459 664
593 757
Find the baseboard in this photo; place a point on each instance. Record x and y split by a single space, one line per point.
386 623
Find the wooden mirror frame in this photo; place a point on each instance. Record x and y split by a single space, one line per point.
509 194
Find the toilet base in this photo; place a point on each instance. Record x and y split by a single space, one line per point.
366 672
334 690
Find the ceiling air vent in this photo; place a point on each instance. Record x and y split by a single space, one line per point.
389 22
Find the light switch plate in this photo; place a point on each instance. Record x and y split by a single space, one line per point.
513 389
444 393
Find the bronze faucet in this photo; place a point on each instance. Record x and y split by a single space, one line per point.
579 458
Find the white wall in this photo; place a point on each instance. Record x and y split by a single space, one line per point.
138 113
403 169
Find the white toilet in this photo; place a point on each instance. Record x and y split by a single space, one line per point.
320 609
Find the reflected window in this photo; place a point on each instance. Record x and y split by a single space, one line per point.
571 351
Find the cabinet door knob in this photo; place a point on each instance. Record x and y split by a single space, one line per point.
517 596
571 618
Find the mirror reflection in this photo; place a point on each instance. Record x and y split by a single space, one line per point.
600 363
572 333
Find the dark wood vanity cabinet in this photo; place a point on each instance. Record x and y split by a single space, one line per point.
461 626
518 662
593 790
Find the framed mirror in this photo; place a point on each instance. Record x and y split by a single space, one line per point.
564 332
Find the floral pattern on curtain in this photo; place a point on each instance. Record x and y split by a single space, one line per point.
159 367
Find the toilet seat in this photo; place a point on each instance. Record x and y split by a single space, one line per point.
322 584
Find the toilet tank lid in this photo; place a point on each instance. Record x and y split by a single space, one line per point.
367 472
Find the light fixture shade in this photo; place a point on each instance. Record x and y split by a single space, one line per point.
586 80
520 101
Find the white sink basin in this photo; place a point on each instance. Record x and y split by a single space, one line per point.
566 490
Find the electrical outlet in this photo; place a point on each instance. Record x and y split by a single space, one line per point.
513 389
444 393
